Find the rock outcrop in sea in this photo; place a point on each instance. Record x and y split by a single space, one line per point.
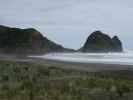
100 42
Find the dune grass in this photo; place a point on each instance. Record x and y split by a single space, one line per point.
30 81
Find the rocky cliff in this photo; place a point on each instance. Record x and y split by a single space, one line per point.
16 40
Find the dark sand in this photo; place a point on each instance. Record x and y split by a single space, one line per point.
90 67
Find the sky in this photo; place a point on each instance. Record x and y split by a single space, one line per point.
70 22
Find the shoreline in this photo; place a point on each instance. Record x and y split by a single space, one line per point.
90 67
74 65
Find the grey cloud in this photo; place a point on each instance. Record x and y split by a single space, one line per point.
69 22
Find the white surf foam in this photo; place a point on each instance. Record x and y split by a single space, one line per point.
125 58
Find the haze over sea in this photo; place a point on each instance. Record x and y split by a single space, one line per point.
125 58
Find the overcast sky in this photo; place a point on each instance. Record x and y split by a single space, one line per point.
69 22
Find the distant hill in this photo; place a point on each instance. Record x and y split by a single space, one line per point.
100 42
16 40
